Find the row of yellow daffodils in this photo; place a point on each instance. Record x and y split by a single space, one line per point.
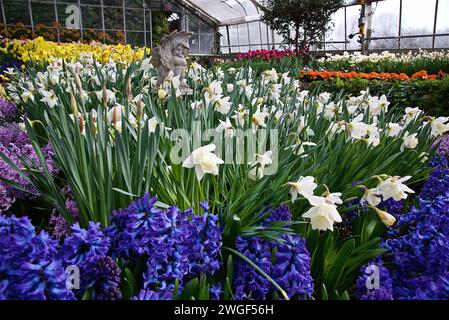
47 51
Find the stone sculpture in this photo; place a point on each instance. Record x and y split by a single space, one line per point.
169 57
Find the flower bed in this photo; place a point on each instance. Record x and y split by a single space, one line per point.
314 75
264 54
40 50
264 191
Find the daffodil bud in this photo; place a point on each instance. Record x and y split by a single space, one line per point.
104 95
139 110
77 80
81 123
73 105
385 217
162 94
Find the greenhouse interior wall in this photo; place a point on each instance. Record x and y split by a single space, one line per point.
231 26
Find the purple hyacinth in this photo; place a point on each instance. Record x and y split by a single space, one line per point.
148 294
59 224
83 245
101 273
15 145
443 148
111 293
291 269
418 249
204 242
249 284
436 185
168 259
281 213
29 266
8 110
177 245
366 287
132 228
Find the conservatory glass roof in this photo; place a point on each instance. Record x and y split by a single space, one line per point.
227 12
230 12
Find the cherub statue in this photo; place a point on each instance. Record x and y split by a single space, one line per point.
169 57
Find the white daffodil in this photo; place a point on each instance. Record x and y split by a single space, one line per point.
439 126
106 94
222 105
258 119
214 88
411 114
49 98
334 198
115 116
324 97
240 116
394 188
227 127
27 95
330 110
138 100
385 217
303 126
229 87
259 165
270 76
357 128
410 141
322 215
393 129
371 196
204 161
152 124
305 186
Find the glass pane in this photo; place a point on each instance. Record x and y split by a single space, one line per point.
17 12
233 35
194 43
442 42
224 36
113 18
386 18
417 18
383 44
254 31
416 43
443 18
335 46
43 13
91 17
134 19
352 23
243 34
206 43
337 31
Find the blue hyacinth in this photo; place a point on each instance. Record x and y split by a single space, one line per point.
177 245
288 263
29 266
82 245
